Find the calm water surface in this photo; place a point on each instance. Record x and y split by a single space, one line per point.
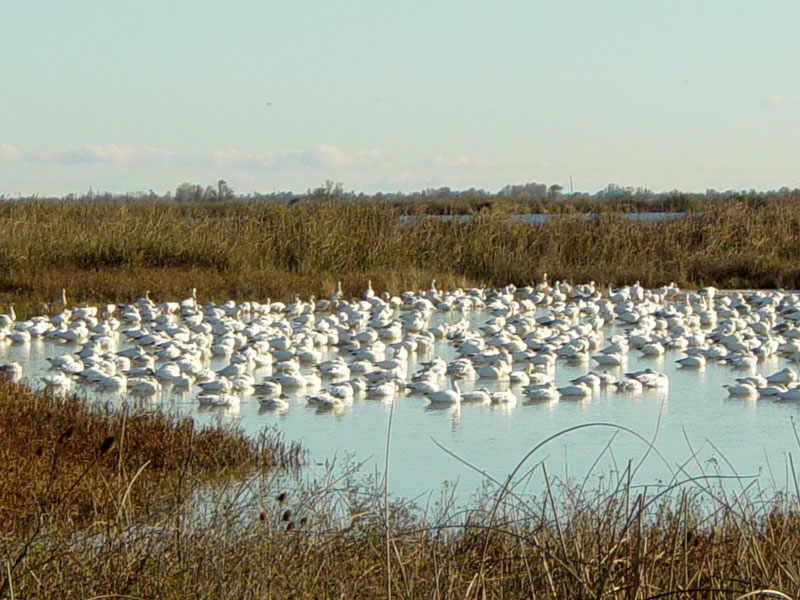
538 219
693 417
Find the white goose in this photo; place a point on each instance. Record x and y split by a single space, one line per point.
692 362
741 389
481 396
539 393
449 396
579 390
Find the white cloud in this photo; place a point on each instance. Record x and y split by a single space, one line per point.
459 161
156 151
9 151
321 156
236 158
329 156
115 153
103 153
106 153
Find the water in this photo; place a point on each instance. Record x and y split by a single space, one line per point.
694 425
539 219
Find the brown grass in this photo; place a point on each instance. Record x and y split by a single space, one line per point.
62 458
99 503
109 251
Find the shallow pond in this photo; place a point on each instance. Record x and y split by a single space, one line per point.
541 218
694 425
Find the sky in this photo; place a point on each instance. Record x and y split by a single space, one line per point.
398 96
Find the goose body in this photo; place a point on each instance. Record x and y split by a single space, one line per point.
579 390
274 403
449 396
219 400
741 389
481 396
692 362
541 393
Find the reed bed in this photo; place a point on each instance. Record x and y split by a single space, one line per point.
100 503
65 459
114 251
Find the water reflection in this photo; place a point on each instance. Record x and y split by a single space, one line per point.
694 407
748 402
550 403
449 410
220 411
336 410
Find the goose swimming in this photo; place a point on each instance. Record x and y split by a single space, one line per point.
448 396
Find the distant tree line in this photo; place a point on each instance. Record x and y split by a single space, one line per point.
189 192
530 197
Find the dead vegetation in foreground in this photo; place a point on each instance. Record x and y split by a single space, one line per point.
104 503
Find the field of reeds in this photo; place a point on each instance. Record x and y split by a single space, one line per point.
101 502
105 251
108 503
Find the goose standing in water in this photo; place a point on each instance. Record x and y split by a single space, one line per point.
337 296
369 293
7 320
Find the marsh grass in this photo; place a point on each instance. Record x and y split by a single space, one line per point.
68 460
107 503
114 251
103 502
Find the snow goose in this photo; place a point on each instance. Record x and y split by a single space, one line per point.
449 396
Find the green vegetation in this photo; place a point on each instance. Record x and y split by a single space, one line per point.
114 251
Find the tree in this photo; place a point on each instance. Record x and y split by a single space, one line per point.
554 191
329 191
224 191
188 192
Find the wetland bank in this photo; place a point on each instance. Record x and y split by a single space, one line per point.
122 519
112 251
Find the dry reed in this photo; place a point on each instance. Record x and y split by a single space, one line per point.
91 509
98 502
114 251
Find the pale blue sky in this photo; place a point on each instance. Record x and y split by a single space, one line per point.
387 96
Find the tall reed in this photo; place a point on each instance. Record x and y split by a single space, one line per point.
109 251
90 510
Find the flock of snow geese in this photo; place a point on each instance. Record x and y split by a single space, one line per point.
273 352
